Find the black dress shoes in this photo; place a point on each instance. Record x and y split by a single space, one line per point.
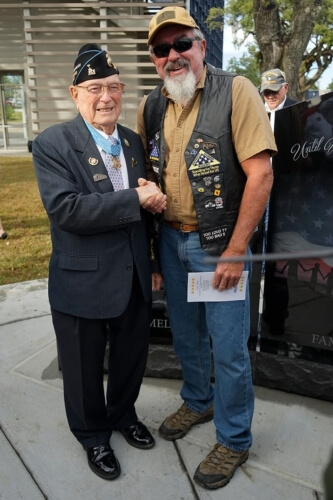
3 236
138 435
103 462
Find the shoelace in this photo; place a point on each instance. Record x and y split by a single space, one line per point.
221 458
180 414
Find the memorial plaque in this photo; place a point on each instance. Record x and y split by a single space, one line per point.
297 321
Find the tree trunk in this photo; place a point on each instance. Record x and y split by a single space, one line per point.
283 47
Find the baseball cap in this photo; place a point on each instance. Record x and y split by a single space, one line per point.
167 16
273 79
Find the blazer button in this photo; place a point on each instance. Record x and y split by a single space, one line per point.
129 268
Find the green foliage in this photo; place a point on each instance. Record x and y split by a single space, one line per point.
11 79
247 65
319 53
240 16
10 112
215 19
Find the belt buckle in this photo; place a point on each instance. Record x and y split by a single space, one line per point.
183 230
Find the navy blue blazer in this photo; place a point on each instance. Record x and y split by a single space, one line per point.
99 236
289 102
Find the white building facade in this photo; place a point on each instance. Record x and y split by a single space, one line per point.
39 42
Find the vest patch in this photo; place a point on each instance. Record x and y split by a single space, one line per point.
204 164
214 234
154 153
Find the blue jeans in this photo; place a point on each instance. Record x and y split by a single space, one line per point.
202 328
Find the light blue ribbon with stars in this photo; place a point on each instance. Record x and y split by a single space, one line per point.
103 143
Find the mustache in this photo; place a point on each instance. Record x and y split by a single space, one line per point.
180 63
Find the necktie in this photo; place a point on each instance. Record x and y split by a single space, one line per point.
113 166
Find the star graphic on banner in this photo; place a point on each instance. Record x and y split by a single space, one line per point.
329 240
306 208
292 218
318 223
321 194
304 234
310 179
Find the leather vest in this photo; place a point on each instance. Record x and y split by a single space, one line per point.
216 177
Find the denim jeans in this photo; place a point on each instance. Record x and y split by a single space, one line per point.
203 329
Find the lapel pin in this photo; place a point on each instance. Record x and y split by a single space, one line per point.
126 143
134 162
100 177
93 161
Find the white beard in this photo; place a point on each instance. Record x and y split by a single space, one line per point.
181 88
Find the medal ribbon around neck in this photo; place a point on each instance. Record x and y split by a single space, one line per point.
104 143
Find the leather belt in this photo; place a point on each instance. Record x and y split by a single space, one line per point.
184 228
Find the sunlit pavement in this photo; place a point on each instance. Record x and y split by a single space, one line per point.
40 458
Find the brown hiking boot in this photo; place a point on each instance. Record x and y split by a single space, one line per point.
219 466
179 423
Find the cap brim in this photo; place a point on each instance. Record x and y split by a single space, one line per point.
272 86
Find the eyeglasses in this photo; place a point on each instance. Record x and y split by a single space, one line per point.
267 92
100 89
181 45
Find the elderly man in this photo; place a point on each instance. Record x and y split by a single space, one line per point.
90 174
274 90
208 141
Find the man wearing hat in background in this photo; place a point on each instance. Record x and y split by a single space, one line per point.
274 90
90 175
208 141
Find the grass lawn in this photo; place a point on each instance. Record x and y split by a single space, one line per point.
25 254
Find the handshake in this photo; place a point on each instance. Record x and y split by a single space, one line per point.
151 197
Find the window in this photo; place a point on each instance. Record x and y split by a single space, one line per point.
13 122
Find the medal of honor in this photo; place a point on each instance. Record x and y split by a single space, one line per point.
116 162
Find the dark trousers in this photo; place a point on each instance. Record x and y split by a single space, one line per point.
81 346
276 295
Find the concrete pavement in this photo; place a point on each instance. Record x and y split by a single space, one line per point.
40 459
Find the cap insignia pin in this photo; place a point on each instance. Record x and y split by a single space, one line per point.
91 71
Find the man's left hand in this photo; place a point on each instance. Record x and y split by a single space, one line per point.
227 274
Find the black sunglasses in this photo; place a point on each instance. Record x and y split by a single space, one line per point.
181 45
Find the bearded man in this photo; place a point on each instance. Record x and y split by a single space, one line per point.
208 142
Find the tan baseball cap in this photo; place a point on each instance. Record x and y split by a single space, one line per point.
273 79
167 16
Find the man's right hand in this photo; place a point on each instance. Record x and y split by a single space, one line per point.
151 197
